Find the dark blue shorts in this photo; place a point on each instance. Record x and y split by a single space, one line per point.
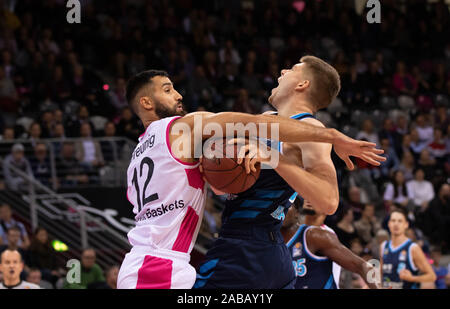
250 258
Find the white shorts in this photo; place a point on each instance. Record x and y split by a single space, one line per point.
144 268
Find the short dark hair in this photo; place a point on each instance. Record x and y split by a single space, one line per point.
326 81
402 211
137 82
14 228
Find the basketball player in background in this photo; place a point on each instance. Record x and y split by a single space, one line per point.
165 186
11 265
317 254
402 259
250 252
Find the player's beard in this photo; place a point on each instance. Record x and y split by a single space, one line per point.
163 111
308 212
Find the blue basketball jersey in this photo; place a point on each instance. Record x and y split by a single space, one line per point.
313 272
266 202
396 259
250 252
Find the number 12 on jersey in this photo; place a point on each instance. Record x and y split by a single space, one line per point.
145 199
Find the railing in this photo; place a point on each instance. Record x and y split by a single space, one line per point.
116 153
67 220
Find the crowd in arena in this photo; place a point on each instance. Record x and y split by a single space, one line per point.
227 56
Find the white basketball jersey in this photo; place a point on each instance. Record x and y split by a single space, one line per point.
168 195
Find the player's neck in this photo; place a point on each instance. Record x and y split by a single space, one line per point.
294 108
289 232
10 281
314 221
397 240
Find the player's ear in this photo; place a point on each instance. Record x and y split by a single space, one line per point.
302 85
146 103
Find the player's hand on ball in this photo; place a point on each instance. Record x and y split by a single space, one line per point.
405 275
345 147
215 190
250 153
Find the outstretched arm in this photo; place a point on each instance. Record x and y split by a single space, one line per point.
327 244
288 130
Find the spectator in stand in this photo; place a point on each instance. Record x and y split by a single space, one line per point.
437 147
368 226
392 162
8 93
42 255
402 125
416 145
73 127
424 130
368 133
111 275
345 229
40 164
442 272
58 132
388 131
35 276
110 149
420 190
381 236
441 118
34 133
404 85
436 218
91 273
396 191
407 165
128 125
88 151
7 140
355 201
427 163
243 103
70 171
7 222
16 160
46 123
118 97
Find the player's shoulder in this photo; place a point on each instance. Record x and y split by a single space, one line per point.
320 233
314 121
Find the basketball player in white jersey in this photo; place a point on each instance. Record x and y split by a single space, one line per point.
166 187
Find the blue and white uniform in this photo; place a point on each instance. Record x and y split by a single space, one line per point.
396 259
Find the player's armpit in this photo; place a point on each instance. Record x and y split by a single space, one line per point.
315 187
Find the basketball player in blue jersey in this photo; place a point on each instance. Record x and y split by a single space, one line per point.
402 259
314 247
250 251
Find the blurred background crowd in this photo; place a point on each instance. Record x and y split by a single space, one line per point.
58 79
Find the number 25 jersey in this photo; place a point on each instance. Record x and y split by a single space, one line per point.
168 195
